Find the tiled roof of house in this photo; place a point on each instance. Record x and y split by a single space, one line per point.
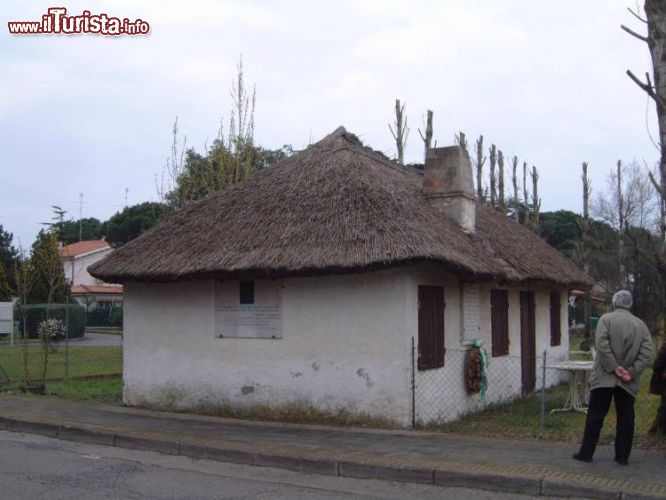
81 247
97 289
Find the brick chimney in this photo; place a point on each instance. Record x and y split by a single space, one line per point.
448 185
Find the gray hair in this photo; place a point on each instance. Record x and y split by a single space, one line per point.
622 299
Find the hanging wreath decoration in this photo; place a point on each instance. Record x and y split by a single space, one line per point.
475 370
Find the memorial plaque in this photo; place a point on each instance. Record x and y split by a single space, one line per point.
263 319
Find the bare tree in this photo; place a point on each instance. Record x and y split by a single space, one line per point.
621 225
400 131
585 223
514 180
655 12
461 140
536 201
500 181
173 166
630 202
585 243
480 160
427 137
526 203
493 175
241 123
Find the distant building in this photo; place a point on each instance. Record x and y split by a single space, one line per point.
87 290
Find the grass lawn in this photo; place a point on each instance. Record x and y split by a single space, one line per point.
522 418
107 390
82 361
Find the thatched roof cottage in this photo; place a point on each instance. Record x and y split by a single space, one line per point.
306 283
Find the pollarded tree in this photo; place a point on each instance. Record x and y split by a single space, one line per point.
400 131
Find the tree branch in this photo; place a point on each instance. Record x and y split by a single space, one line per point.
647 87
634 34
655 184
635 14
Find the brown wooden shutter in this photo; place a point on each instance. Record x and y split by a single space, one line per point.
528 341
431 327
499 319
555 324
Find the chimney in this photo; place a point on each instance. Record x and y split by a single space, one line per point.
448 185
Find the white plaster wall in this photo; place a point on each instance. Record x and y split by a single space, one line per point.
441 394
344 345
76 270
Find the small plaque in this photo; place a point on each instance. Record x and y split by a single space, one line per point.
263 319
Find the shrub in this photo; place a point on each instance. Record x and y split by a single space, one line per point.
116 317
53 330
106 316
36 313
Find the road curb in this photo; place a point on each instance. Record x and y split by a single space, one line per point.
471 476
508 484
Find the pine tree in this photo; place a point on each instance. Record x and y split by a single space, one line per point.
5 291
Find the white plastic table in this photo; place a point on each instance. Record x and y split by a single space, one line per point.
577 373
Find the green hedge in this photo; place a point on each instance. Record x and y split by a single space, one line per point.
36 313
106 316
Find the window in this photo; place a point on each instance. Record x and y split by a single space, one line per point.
470 308
555 316
499 319
247 292
431 327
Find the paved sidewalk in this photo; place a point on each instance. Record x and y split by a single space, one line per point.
532 467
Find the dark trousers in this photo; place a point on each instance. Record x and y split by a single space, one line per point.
600 400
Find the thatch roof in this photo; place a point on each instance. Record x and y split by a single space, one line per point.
336 207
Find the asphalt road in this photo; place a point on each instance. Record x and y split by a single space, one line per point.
33 467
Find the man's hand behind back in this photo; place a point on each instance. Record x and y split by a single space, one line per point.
622 373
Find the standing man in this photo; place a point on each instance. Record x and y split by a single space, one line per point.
624 348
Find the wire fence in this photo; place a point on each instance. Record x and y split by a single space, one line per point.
545 396
30 358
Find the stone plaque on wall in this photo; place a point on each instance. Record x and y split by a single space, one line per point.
261 319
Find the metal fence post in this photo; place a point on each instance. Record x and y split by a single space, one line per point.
543 396
67 338
413 389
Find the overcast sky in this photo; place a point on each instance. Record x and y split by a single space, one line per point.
543 80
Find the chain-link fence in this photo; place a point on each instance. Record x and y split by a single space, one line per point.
55 345
544 396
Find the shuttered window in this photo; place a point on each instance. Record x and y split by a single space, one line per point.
431 327
555 316
499 318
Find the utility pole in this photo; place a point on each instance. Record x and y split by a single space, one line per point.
126 193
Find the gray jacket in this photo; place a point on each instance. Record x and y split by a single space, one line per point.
622 339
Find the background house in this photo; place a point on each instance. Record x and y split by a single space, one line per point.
87 290
308 282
